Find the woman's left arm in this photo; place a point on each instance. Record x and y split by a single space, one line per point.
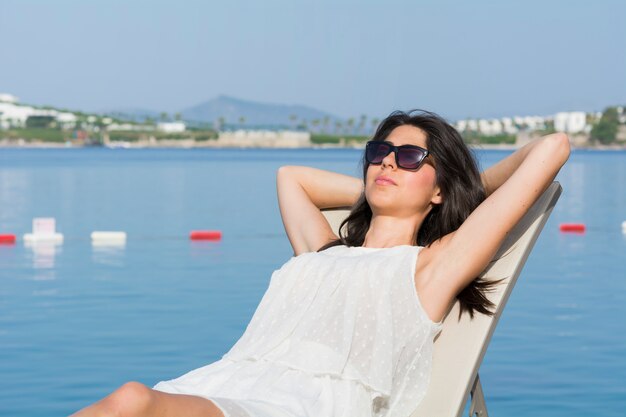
513 185
494 176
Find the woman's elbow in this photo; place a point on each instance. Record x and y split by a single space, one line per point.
560 144
287 174
284 171
281 173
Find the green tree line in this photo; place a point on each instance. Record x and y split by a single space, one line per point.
605 130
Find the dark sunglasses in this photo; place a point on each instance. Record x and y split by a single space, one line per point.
407 156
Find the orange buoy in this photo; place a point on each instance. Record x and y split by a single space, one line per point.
572 227
205 235
7 239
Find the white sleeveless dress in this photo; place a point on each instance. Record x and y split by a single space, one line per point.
338 333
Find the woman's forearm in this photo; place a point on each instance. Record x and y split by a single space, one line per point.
497 174
325 189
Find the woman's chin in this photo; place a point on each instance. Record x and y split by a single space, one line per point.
384 207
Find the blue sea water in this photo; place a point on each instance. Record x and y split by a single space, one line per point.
77 321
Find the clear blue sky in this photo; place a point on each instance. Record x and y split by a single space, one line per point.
466 58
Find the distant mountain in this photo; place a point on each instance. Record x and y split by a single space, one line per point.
231 109
255 114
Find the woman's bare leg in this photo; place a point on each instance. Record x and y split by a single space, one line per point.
136 400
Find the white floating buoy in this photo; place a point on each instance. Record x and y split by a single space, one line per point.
44 230
43 237
624 226
108 238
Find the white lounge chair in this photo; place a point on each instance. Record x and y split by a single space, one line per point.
461 345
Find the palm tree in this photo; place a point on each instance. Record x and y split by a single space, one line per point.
242 121
178 117
163 116
374 123
362 121
221 121
293 118
326 122
350 125
315 123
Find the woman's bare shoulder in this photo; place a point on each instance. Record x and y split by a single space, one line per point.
435 296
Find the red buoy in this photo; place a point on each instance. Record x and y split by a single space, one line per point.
205 235
572 227
7 239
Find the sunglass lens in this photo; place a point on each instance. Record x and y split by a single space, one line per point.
376 152
410 158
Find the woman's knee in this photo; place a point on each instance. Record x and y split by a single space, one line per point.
132 399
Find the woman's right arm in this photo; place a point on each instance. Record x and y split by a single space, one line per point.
459 257
302 192
496 175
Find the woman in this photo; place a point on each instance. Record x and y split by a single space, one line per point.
346 326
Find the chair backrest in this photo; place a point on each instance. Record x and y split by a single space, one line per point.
461 345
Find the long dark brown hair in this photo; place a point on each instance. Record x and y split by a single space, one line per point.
458 178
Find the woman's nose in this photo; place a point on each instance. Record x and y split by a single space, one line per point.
389 160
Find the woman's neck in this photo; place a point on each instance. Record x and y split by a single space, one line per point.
387 232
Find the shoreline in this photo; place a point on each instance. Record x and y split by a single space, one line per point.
4 144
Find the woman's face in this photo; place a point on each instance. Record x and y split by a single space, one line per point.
390 190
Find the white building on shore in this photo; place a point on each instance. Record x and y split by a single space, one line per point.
171 127
490 127
531 122
112 127
13 115
264 138
570 122
8 98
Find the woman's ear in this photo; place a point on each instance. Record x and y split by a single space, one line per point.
436 198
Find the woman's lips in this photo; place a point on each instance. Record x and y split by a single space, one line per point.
384 181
